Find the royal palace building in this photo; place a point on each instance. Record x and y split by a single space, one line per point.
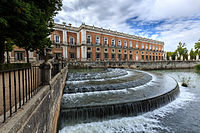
90 43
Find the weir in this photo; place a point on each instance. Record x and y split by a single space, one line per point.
113 93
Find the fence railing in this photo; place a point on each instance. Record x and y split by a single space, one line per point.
17 86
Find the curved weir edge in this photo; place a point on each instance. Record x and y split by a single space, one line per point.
120 109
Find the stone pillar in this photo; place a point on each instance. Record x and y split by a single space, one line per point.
197 57
46 73
181 57
188 57
170 58
176 58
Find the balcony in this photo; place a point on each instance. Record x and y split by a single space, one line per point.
112 45
97 43
106 45
57 42
89 43
72 43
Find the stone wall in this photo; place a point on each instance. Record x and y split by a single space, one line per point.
40 114
138 65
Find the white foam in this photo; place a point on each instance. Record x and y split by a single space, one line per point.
129 73
148 122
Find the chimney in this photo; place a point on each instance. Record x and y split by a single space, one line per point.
69 25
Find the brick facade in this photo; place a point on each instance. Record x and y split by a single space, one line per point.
95 44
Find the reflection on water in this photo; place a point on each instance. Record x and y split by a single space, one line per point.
181 115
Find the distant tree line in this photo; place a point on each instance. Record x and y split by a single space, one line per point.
26 24
183 51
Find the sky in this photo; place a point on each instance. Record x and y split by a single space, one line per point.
170 21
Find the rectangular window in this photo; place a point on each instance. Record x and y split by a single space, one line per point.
72 55
98 55
106 55
150 46
89 48
130 56
119 56
57 55
57 38
105 41
119 43
136 45
71 40
130 43
19 56
113 56
113 42
98 40
89 39
125 56
146 46
146 57
142 57
125 44
142 45
89 55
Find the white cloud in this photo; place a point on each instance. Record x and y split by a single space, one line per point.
181 17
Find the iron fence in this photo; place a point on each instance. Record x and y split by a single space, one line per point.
17 86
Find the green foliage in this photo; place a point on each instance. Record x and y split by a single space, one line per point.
197 67
184 81
197 47
182 50
171 54
192 54
27 22
14 66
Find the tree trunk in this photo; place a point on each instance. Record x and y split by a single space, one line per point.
2 51
8 60
27 56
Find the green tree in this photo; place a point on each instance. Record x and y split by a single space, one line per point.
13 16
197 47
182 50
27 22
192 54
171 54
40 25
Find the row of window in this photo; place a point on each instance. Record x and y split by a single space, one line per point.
119 51
148 46
120 43
57 39
113 56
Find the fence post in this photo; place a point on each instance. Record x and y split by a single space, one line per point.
46 73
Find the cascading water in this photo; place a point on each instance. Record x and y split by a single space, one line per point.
113 93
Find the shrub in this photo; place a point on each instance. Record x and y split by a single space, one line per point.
185 81
197 67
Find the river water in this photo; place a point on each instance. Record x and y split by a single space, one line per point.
180 116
